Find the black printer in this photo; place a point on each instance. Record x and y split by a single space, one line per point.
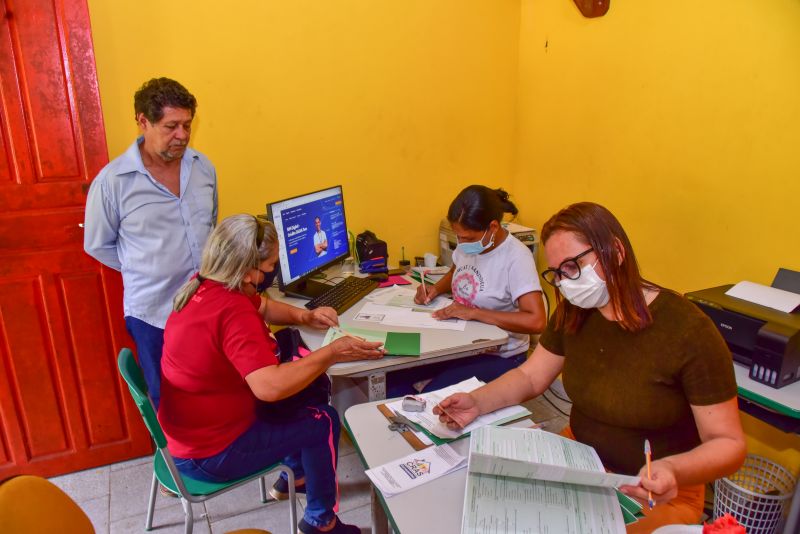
764 339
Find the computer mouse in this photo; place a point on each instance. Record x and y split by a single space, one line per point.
378 277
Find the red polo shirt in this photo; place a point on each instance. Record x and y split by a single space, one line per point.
216 340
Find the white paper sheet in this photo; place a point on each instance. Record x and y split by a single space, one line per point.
415 469
399 316
535 454
772 297
500 505
403 297
428 420
502 502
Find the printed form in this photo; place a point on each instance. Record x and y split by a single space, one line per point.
536 454
415 469
430 421
507 490
495 505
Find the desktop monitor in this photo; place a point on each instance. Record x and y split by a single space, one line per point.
312 235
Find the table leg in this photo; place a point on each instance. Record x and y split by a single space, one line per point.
380 523
793 521
377 386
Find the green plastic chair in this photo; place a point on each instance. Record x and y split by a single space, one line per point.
164 469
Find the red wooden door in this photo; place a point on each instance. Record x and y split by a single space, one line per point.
62 403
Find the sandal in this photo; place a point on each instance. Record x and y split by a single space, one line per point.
338 528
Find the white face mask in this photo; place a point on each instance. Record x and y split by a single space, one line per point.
588 291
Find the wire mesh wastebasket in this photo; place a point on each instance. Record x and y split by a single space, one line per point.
756 495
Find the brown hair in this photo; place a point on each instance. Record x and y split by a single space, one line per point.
597 227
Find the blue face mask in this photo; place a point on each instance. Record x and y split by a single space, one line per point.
476 247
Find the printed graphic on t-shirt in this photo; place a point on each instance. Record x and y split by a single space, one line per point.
467 282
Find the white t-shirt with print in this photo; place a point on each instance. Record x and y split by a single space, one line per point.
495 281
319 238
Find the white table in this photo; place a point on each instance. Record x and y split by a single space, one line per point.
433 507
435 346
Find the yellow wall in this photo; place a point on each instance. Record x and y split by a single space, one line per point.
683 118
404 103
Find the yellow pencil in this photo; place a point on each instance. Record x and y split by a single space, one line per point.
647 454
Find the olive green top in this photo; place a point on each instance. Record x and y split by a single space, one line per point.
626 386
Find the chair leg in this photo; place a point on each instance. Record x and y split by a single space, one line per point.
151 504
187 510
262 486
292 501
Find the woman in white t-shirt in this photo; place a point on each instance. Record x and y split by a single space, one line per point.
493 280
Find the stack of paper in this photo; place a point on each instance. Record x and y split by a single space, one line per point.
440 433
403 297
416 317
432 275
542 481
415 469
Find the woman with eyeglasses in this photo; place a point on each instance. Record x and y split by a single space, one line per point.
638 361
493 280
221 376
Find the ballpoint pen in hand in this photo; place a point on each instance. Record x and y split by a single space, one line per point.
647 454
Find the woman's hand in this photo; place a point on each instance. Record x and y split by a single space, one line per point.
457 410
425 293
455 310
662 483
320 318
347 349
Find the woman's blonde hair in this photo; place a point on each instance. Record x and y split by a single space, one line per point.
239 243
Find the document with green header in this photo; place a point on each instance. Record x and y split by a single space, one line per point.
395 343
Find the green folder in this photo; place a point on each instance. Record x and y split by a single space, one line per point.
631 509
416 276
395 343
402 343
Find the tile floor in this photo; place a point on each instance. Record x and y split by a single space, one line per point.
115 496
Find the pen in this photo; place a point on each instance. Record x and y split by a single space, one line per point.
647 454
424 291
448 414
343 333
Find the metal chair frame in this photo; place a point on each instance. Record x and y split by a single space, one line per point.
132 374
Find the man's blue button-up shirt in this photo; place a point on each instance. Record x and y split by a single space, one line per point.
135 225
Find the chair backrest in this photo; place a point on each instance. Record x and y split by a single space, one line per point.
132 374
34 504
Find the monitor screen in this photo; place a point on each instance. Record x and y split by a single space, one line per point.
312 233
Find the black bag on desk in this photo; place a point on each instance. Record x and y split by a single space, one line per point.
316 393
368 246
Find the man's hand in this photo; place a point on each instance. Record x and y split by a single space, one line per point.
321 318
348 349
455 310
457 410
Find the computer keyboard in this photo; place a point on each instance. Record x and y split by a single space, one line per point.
344 294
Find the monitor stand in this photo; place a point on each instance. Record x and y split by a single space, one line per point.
307 289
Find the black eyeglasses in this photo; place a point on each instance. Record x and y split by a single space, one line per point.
569 268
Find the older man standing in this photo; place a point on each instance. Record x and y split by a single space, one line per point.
149 213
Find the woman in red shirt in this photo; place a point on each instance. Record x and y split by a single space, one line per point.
220 372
